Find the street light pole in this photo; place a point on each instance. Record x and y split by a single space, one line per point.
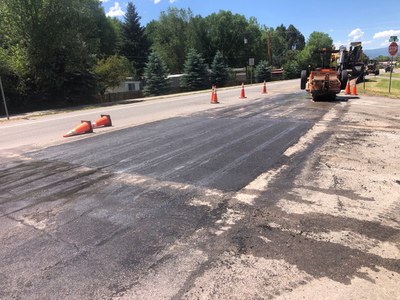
4 99
245 66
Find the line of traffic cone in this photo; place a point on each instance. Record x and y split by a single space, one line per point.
214 96
87 126
264 88
242 94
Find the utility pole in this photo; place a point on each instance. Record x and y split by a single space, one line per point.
269 47
4 99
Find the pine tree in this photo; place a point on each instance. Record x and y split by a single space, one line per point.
219 70
155 74
134 44
263 71
195 72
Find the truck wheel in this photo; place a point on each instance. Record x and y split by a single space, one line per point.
344 76
303 79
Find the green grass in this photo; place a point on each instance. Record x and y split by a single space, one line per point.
395 75
380 87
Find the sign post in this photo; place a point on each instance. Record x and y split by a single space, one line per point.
393 49
4 99
251 64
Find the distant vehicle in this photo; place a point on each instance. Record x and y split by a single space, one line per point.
372 68
388 68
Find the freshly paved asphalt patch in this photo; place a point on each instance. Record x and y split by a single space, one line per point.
224 149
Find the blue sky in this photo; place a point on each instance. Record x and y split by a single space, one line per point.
371 22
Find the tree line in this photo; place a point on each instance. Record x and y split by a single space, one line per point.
67 51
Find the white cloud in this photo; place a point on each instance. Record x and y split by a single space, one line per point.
156 1
115 11
337 44
386 34
385 43
356 34
172 1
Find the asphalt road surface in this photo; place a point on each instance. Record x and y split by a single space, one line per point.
146 209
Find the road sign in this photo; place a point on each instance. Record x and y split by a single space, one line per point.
393 48
393 38
251 61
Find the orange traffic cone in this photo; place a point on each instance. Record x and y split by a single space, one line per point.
354 89
84 127
104 121
264 89
212 92
242 95
214 97
347 91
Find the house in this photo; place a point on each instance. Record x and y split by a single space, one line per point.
128 85
128 89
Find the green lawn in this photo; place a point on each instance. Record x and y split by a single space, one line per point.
380 86
395 75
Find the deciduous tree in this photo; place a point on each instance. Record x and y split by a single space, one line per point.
111 71
316 41
51 45
168 36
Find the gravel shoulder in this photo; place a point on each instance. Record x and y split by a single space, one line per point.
352 181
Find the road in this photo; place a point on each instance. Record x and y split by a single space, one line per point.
271 196
35 131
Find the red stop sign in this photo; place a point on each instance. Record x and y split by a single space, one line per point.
393 48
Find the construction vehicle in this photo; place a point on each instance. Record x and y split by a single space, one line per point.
372 68
326 82
351 61
388 68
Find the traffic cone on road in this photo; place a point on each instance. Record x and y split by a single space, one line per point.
354 89
212 92
84 127
242 95
104 121
214 97
264 89
347 91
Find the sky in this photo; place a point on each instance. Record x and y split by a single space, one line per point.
371 22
